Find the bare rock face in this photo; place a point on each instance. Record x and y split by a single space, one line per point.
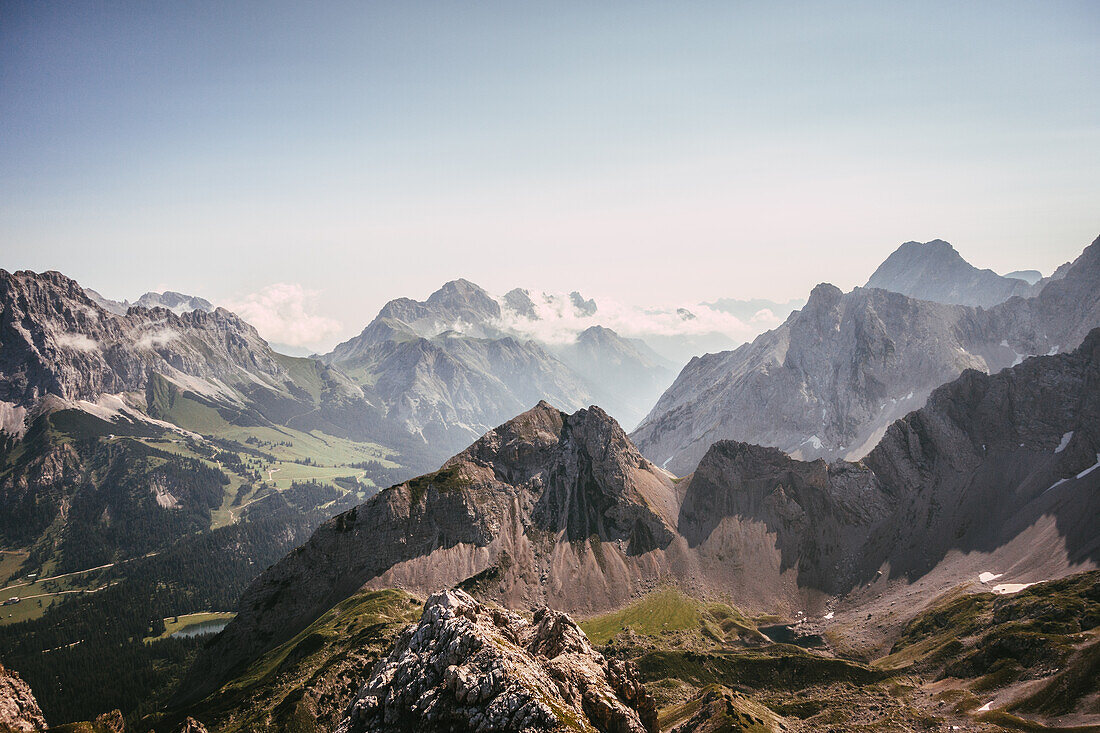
987 457
830 380
19 710
59 341
472 667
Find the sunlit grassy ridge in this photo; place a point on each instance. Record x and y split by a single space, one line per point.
669 610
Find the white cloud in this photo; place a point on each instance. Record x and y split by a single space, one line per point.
283 313
559 322
156 338
77 341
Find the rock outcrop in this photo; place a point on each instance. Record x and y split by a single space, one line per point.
19 711
473 667
190 725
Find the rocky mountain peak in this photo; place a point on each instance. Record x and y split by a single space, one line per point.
823 297
471 666
545 440
936 271
581 306
465 296
519 300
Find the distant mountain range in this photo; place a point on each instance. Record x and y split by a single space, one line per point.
452 367
178 303
830 380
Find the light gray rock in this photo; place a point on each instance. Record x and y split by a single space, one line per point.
19 710
469 666
935 271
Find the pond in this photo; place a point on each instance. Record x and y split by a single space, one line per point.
206 627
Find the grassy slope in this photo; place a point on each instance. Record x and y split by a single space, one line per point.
306 683
667 611
987 643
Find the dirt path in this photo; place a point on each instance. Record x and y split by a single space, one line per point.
74 572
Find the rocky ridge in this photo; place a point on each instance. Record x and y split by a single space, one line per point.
470 666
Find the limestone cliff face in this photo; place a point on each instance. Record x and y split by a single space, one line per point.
57 340
829 381
19 710
470 666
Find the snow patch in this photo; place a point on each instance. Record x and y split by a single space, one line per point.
1053 351
12 417
986 708
1065 441
988 576
1005 589
1056 484
1091 468
814 441
829 616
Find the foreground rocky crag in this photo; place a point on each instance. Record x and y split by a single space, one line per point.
19 711
472 667
830 380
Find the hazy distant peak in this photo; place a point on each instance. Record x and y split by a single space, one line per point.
1028 276
581 306
519 300
936 271
178 303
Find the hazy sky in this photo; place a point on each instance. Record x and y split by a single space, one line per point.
662 153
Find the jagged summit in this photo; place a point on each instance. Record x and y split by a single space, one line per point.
471 666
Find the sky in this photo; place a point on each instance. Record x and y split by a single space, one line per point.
307 162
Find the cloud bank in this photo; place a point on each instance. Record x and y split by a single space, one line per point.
557 320
284 313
